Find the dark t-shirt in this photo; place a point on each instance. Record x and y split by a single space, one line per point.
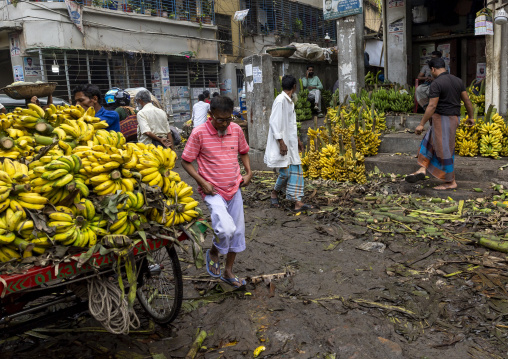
448 88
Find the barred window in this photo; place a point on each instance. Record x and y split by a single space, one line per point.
224 33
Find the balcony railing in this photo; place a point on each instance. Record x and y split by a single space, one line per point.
199 11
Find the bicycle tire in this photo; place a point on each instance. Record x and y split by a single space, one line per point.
154 295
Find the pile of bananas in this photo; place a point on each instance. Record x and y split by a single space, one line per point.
488 137
62 163
340 162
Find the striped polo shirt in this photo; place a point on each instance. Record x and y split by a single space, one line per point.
217 157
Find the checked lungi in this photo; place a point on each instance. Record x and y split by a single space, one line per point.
437 150
291 178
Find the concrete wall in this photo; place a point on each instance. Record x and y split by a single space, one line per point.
228 82
397 43
259 100
111 30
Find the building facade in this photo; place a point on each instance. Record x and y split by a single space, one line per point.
169 47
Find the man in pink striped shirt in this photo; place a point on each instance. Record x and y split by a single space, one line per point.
215 146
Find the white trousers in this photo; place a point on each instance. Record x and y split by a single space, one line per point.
228 222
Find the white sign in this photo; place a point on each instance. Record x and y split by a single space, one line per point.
241 15
480 71
248 70
257 74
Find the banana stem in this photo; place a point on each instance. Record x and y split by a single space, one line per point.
6 143
115 175
44 128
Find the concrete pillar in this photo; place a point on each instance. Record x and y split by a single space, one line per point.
227 79
496 91
397 39
350 55
259 100
503 93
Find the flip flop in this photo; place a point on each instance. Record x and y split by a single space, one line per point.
305 207
274 202
415 177
232 281
210 263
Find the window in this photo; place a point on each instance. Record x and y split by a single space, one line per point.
224 33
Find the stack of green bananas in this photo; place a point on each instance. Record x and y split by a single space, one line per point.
78 226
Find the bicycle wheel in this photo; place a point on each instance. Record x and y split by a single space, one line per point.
160 285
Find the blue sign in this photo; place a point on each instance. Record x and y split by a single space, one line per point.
335 9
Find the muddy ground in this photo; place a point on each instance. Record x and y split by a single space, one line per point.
419 298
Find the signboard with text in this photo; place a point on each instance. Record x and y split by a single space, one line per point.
336 9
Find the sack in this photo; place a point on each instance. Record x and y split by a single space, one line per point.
177 139
129 128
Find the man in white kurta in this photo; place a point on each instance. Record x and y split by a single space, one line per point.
283 145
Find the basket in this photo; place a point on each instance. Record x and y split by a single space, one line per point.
25 91
282 51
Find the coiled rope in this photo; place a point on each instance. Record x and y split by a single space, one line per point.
108 305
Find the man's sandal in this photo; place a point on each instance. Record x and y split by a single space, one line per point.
215 265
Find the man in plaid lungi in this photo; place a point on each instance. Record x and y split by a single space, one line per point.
283 146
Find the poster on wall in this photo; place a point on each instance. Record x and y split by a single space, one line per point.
445 51
18 73
425 52
395 3
481 70
32 66
14 45
396 32
336 9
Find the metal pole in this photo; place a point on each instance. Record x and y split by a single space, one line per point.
67 77
43 72
127 72
144 73
88 69
109 73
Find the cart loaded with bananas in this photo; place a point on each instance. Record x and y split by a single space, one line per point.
77 201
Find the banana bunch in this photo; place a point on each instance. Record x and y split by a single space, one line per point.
155 165
78 226
355 164
327 162
111 138
503 128
491 139
108 168
466 139
14 182
310 161
176 212
28 117
60 172
135 202
127 222
13 227
78 113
